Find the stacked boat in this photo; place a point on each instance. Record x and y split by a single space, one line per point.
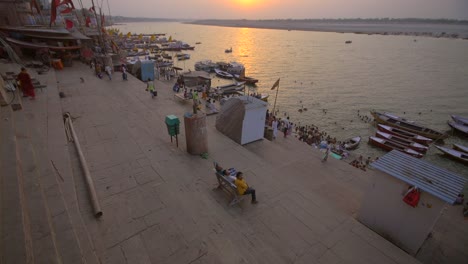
404 135
458 153
410 126
459 124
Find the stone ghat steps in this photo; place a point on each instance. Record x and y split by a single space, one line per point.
36 226
14 245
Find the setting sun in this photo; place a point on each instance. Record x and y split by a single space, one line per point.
248 3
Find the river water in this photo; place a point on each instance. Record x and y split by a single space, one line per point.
420 78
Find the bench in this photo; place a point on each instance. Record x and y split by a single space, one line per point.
229 187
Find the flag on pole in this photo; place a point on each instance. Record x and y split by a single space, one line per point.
276 84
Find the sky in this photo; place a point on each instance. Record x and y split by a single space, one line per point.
285 9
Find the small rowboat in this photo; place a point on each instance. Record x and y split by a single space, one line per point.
403 141
405 134
460 120
231 88
391 145
454 154
408 126
352 143
247 80
459 127
461 148
223 74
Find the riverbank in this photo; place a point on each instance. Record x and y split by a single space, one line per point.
161 204
437 30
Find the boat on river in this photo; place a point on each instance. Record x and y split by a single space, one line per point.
231 88
391 145
352 143
408 126
223 74
404 134
460 148
454 154
460 120
205 65
247 80
459 127
403 141
228 50
183 56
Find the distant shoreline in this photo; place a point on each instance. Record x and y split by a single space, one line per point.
397 27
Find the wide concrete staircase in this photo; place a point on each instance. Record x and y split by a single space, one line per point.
35 224
40 221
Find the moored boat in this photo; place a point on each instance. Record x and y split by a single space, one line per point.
408 126
405 134
223 74
247 80
459 127
403 141
231 88
391 145
460 119
454 154
460 148
352 143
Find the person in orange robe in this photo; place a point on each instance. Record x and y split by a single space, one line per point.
26 84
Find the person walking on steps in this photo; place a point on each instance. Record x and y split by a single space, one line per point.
26 84
108 70
124 72
243 188
150 88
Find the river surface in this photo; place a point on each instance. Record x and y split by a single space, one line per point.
419 78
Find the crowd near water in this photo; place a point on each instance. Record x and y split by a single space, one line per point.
328 87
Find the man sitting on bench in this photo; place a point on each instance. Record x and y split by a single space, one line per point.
243 188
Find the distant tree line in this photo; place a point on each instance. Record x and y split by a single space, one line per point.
380 20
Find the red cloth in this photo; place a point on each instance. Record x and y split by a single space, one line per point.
69 23
26 84
88 21
412 197
64 2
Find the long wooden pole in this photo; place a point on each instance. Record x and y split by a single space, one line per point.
87 174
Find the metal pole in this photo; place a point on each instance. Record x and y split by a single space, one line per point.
274 105
89 180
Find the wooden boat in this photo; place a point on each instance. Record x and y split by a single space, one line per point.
247 80
223 74
459 127
408 126
352 143
454 154
183 56
403 141
231 88
461 148
228 50
460 120
391 145
404 134
397 117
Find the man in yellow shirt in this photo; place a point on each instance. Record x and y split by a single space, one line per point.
243 188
